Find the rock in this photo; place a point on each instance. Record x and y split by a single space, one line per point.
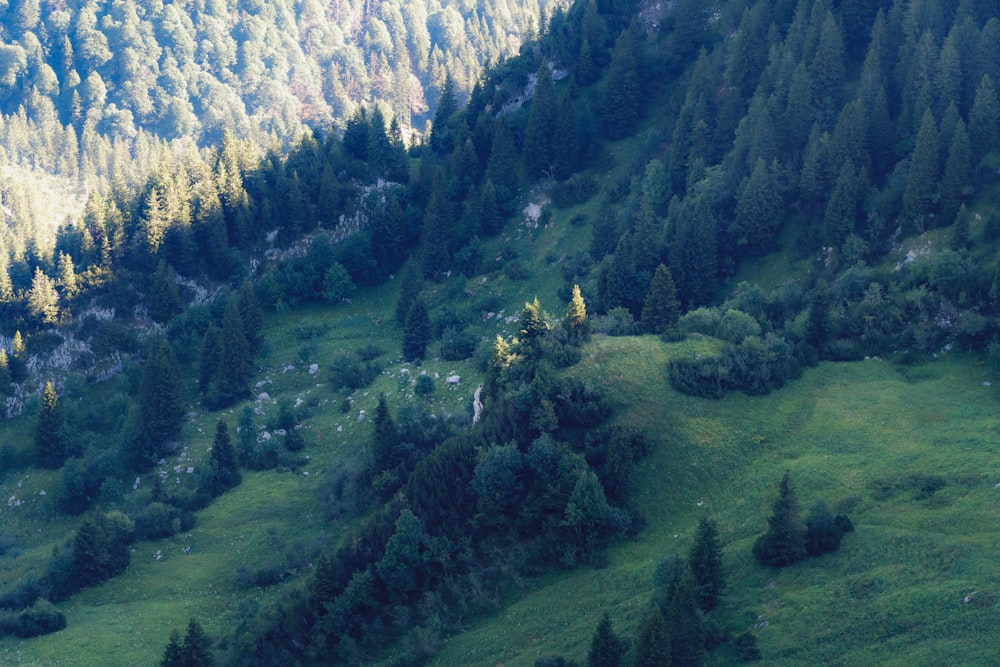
280 432
313 369
263 396
453 379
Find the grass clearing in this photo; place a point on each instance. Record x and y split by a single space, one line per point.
865 437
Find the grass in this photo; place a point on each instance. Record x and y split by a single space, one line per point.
895 592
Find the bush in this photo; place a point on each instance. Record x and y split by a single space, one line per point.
348 371
41 618
424 386
825 531
157 520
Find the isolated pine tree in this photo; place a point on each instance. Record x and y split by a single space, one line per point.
235 360
661 310
605 646
416 331
196 648
223 466
161 404
50 446
387 446
705 561
173 654
784 542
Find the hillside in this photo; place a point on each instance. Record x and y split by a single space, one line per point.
667 270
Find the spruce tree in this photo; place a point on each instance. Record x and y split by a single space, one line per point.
387 448
784 543
539 133
252 316
211 357
164 298
416 331
605 646
684 621
922 180
161 404
411 282
196 648
50 446
622 95
705 561
43 300
984 120
956 183
224 472
653 644
235 361
173 654
661 310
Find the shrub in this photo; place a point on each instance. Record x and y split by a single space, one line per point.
825 531
157 520
424 386
348 371
41 618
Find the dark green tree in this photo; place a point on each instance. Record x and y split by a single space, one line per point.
411 282
684 620
921 192
956 183
416 331
164 297
540 130
621 100
161 404
253 317
984 120
224 471
705 561
401 566
387 447
784 543
197 646
236 360
173 654
661 310
759 208
652 647
566 140
211 357
605 647
50 440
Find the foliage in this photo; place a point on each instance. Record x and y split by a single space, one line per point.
784 543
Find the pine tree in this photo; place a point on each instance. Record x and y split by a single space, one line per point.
784 543
622 95
684 621
235 361
67 276
661 310
605 646
165 299
705 561
252 316
50 445
387 447
211 357
223 467
43 300
173 654
539 133
401 566
758 209
196 649
984 120
576 317
921 192
161 404
411 282
956 183
416 331
652 647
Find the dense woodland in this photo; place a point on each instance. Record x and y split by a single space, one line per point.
831 130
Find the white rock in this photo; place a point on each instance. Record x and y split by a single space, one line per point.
313 369
453 379
263 396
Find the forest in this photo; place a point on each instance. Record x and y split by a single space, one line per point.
235 257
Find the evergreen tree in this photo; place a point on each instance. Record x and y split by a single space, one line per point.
922 180
684 621
401 566
653 643
165 299
566 140
622 96
411 282
235 361
984 121
705 561
605 646
252 316
784 543
224 472
173 654
661 309
956 183
416 331
576 316
442 139
196 650
961 233
540 130
161 404
387 447
758 209
67 276
50 445
211 357
43 300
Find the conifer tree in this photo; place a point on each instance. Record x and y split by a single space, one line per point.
224 472
50 445
165 300
540 131
196 649
401 566
605 646
705 561
921 181
653 643
758 209
235 361
566 150
684 621
43 300
661 310
956 183
416 331
622 95
67 276
387 445
784 542
252 316
576 316
173 654
161 404
211 357
984 120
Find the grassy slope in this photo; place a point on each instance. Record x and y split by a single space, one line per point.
894 592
